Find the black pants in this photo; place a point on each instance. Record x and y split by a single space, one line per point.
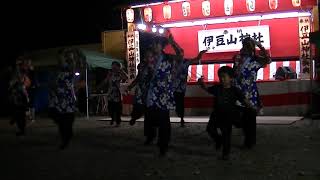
137 111
65 124
156 118
179 100
115 110
19 117
82 100
224 123
250 127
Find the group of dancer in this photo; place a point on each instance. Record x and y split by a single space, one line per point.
160 87
161 82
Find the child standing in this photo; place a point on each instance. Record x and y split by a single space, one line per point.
225 110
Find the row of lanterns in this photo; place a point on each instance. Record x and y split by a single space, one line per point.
186 9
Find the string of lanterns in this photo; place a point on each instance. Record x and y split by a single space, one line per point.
206 9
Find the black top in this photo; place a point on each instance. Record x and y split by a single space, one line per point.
225 98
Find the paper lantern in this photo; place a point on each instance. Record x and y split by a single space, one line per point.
130 15
186 9
228 7
273 4
147 14
296 3
206 8
251 5
167 11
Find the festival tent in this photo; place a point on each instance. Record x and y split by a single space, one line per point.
95 59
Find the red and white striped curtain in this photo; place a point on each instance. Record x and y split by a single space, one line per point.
210 71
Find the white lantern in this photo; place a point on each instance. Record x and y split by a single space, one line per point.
251 5
186 9
273 4
296 3
130 15
167 11
206 8
228 7
147 14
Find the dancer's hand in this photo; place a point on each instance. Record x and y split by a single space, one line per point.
202 52
200 81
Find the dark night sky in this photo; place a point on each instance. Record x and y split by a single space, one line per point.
35 25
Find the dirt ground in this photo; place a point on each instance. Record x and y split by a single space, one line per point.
102 152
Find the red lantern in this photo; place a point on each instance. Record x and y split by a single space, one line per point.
296 3
186 9
251 5
130 15
167 11
147 14
228 7
273 4
206 8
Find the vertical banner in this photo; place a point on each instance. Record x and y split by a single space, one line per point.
137 50
305 47
133 53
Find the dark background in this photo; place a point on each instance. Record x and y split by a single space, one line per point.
32 25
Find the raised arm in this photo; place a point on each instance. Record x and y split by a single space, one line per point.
197 59
178 50
263 58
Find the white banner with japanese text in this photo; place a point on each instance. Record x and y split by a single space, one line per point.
230 39
305 47
133 53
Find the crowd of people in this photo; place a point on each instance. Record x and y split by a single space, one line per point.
160 87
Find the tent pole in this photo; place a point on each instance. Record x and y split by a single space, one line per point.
87 93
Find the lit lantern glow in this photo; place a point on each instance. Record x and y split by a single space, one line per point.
161 30
130 15
251 5
228 7
296 3
147 14
167 11
186 9
206 8
154 29
273 4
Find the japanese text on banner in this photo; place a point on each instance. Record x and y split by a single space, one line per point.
133 53
305 47
230 39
